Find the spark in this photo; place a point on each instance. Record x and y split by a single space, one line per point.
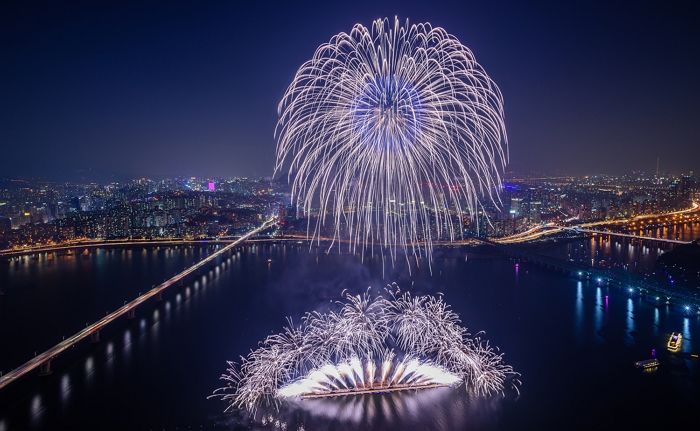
392 136
357 376
368 344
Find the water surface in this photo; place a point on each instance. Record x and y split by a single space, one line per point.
573 341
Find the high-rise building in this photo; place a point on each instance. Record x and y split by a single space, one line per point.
535 211
516 207
5 225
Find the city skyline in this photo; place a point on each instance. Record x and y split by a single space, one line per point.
389 215
101 92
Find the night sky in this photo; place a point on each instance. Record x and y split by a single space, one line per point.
97 90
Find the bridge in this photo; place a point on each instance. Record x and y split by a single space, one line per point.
101 243
537 232
627 235
97 243
43 360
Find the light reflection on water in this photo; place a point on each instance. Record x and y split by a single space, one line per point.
127 344
657 324
629 337
579 309
36 409
441 409
687 346
354 410
109 358
596 308
612 252
65 388
598 313
89 369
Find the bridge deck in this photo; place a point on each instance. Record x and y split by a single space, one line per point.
627 235
59 348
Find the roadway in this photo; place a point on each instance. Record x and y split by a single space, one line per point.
627 235
59 348
10 252
104 243
541 231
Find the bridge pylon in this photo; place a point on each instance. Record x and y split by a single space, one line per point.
45 368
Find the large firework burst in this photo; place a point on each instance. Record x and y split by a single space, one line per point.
368 344
392 136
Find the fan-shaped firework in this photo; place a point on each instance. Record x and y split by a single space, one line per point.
368 344
395 134
371 375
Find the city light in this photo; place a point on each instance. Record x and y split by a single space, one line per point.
152 252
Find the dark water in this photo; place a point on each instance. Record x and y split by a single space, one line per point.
605 251
682 232
52 295
573 342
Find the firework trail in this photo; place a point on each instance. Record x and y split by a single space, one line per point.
391 136
368 344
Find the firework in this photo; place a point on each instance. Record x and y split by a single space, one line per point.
368 344
394 135
356 376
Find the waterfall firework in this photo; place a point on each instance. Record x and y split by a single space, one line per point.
368 344
393 136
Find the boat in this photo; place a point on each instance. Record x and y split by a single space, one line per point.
647 364
675 341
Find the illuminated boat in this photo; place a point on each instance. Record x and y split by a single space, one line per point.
647 364
675 341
